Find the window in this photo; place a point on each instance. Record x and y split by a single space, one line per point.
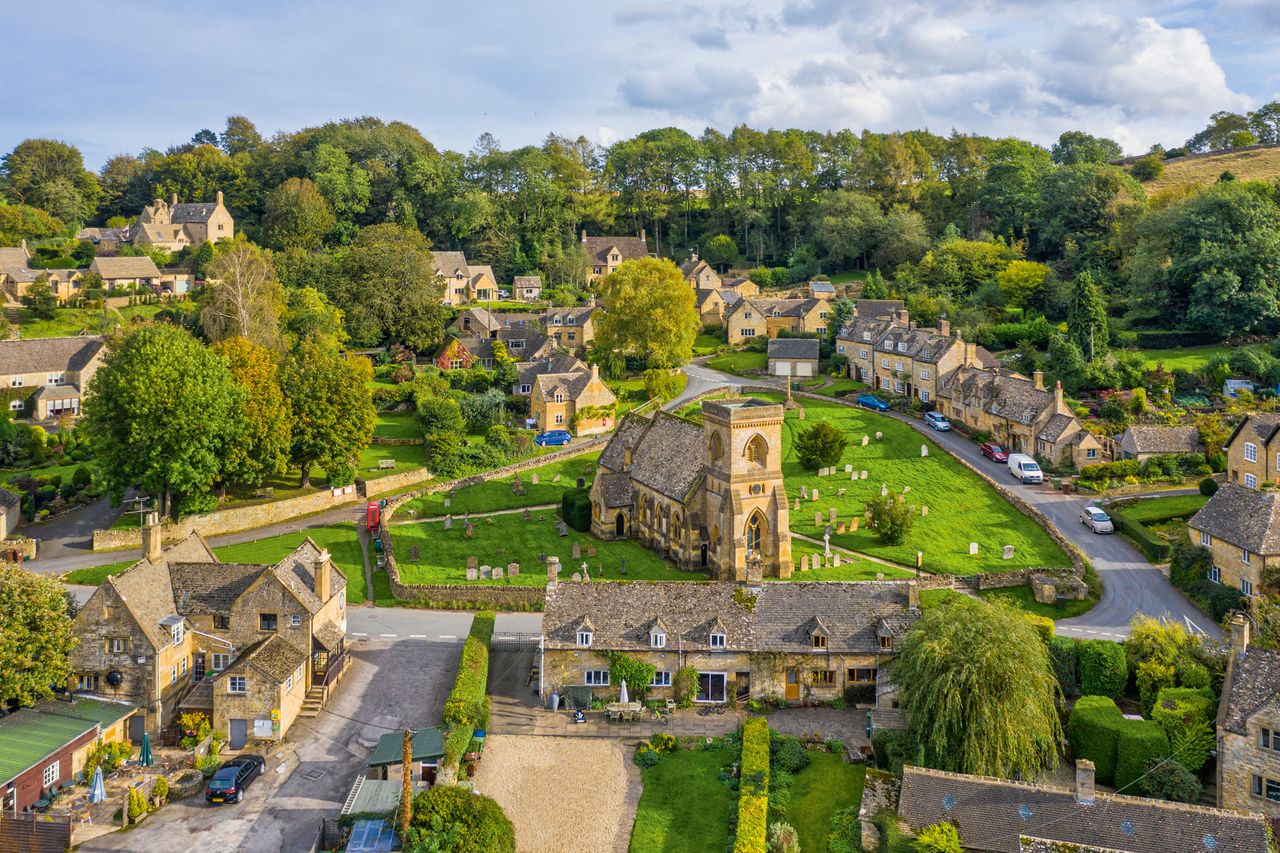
88 681
288 683
824 677
924 373
1205 539
1215 574
1250 481
899 387
658 639
220 661
597 678
749 332
237 684
455 364
716 641
819 641
897 365
118 645
755 533
1269 739
15 405
173 674
267 621
1269 788
840 348
52 774
862 675
516 343
295 621
573 336
560 418
884 362
15 382
176 633
584 638
1244 555
924 396
222 623
862 353
526 389
886 644
746 315
559 397
182 665
661 679
1246 586
866 336
1250 452
711 687
55 378
297 673
1091 453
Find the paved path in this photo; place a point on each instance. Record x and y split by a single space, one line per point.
1131 585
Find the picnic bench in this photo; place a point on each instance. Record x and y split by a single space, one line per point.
627 712
386 464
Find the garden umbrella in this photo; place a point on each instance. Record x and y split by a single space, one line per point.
98 790
622 697
145 758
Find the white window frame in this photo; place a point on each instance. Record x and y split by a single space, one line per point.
182 667
897 365
658 640
725 688
1091 453
526 389
220 661
1215 574
288 683
884 362
15 382
15 405
52 773
1250 452
924 373
596 678
559 418
1244 556
118 645
237 681
584 639
840 348
1205 539
56 378
295 621
1250 481
862 354
717 640
661 678
173 675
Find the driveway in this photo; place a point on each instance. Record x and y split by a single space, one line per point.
390 686
1131 585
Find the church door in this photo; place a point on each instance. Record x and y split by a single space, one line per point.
704 555
620 526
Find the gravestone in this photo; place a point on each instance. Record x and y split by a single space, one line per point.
924 450
556 478
848 469
448 502
470 531
486 572
591 550
814 495
473 573
413 553
879 436
906 490
528 516
577 576
513 569
553 567
853 524
804 563
1008 552
879 576
919 559
973 549
796 506
924 509
562 528
867 515
800 414
586 572
831 514
804 492
866 439
864 475
853 476
884 490
448 522
517 487
582 482
817 519
840 529
835 560
533 478
577 551
841 492
473 562
497 573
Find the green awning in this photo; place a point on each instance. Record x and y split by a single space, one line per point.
428 746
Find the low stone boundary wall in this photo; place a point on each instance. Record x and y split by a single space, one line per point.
466 596
395 482
396 442
1019 577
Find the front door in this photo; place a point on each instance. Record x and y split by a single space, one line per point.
137 726
793 686
703 554
239 734
711 687
743 680
619 526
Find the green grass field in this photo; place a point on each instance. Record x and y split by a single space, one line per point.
66 471
497 494
842 388
1185 358
340 539
1159 509
397 425
826 786
407 457
846 277
705 344
442 554
684 807
962 508
850 569
95 575
738 362
1257 165
76 321
1016 596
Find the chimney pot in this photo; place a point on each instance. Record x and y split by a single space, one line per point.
553 571
643 240
944 327
1038 377
1084 782
584 235
219 196
152 538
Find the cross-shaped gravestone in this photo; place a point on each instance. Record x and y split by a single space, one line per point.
528 516
884 490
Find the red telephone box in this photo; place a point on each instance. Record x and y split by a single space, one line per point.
371 516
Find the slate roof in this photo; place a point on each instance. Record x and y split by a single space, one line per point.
627 435
480 271
779 307
1253 684
689 267
572 385
927 345
56 392
46 355
1260 427
192 211
628 247
866 331
13 258
8 498
527 371
448 264
1247 518
669 457
991 814
204 589
568 316
527 281
1162 439
731 283
794 348
122 267
275 656
297 572
877 308
615 488
1012 398
147 592
330 635
853 615
480 319
1056 427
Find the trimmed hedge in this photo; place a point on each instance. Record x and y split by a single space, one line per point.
1103 668
455 745
1111 470
1094 731
1063 656
575 506
753 790
1155 548
468 703
1141 743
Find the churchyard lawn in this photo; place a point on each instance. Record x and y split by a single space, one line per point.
497 494
851 568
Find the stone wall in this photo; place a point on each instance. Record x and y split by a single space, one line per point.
880 793
465 596
395 482
1040 845
1239 760
396 442
1019 577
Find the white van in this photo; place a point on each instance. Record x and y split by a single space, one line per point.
1024 468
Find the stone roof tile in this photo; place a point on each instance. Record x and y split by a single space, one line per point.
1247 518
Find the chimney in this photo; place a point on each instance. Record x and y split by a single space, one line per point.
1084 782
970 354
944 327
1239 635
1037 377
693 257
913 595
322 576
219 197
901 317
152 542
912 325
173 200
1057 396
553 571
643 240
595 372
584 235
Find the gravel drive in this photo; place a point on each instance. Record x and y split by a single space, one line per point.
562 793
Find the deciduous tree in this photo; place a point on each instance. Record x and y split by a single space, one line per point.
35 635
389 290
650 312
333 412
243 297
1087 318
39 298
262 449
297 216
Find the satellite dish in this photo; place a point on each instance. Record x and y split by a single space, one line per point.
114 677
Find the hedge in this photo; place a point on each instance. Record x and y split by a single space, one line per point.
1094 730
575 506
455 745
1103 668
1140 743
468 703
1174 340
1111 470
753 790
1065 660
1154 547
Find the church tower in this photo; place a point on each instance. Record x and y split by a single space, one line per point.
746 504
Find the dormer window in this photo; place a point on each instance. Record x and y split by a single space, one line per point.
584 638
866 336
886 643
559 397
657 639
176 634
716 640
819 641
902 346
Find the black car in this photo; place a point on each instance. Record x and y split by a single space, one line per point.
228 784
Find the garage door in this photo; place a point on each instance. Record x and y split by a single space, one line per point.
804 368
782 368
239 734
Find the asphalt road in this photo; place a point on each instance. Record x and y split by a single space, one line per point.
1131 585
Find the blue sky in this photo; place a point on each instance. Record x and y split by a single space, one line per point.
117 79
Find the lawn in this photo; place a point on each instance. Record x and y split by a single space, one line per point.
845 278
66 471
497 494
397 425
738 362
1016 596
826 786
340 539
442 554
407 457
630 391
962 507
850 569
1162 509
1187 358
841 388
684 807
74 321
95 575
705 344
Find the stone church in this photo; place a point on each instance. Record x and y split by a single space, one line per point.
707 496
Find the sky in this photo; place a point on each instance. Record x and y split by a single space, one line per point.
117 79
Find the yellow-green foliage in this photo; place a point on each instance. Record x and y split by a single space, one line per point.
468 705
1042 624
753 794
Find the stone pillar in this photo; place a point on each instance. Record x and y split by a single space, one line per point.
1084 782
553 571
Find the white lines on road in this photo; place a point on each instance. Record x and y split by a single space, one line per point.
358 634
417 636
388 635
448 637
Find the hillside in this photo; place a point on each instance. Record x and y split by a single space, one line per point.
1247 164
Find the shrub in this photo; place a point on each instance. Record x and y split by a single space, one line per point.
467 704
637 673
787 753
1170 781
846 833
1153 676
1188 571
1043 625
893 749
662 742
646 756
455 745
1103 670
684 686
820 446
1154 547
482 626
1140 743
783 838
1208 487
447 817
938 838
1062 654
161 789
891 519
208 765
780 782
1094 729
1193 674
1187 715
575 506
137 804
753 792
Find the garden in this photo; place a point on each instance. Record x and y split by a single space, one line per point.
50 470
1154 524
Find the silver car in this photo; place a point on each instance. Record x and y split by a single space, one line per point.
1096 520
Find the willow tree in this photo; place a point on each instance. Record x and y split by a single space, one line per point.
976 682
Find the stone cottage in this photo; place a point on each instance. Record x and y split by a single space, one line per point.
606 254
1241 528
173 227
46 378
1249 727
577 400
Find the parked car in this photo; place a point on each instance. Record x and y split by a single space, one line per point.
504 294
871 401
551 437
994 452
229 782
937 420
1097 520
1024 468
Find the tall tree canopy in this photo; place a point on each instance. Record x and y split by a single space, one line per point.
650 313
262 450
50 175
242 296
332 407
296 216
1087 318
389 289
35 635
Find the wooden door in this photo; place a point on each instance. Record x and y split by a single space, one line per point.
793 685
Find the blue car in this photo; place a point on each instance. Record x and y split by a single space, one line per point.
871 401
554 437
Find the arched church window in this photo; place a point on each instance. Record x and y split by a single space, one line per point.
755 532
717 446
757 450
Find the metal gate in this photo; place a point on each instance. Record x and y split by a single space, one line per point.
506 641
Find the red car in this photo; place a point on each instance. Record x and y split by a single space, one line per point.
994 452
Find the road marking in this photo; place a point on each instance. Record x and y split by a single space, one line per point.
1193 626
448 637
417 636
359 634
388 635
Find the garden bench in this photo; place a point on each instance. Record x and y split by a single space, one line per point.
386 464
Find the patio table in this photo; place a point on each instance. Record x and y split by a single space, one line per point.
627 711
